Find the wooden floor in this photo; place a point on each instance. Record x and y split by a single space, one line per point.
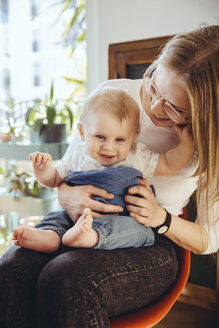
188 316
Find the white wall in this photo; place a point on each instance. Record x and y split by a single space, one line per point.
112 21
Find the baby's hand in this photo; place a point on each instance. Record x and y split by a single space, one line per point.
41 160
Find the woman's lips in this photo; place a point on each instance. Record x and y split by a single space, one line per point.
161 118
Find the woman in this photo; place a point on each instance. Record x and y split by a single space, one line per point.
82 288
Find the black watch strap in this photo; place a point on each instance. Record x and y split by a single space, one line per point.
163 228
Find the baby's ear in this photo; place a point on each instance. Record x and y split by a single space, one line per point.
136 135
81 130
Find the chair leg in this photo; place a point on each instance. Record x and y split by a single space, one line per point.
217 274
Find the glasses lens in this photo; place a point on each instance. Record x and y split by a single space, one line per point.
173 114
151 89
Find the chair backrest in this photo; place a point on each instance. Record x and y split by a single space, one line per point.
155 312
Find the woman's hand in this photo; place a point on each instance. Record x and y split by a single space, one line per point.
144 209
75 199
185 136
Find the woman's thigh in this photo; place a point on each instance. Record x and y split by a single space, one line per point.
19 270
81 288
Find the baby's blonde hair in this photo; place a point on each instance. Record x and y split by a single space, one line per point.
113 100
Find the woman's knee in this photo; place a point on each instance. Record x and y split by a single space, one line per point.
66 293
19 270
65 275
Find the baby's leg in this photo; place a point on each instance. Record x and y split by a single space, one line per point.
82 234
122 232
47 241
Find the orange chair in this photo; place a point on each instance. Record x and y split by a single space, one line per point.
154 313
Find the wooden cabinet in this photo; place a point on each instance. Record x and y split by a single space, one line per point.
130 59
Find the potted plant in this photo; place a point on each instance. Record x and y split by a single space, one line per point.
49 120
12 127
13 131
25 196
24 184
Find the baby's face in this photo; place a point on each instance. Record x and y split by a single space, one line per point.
107 139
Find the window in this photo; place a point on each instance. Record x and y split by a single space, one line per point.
6 79
4 11
35 52
36 75
34 9
36 42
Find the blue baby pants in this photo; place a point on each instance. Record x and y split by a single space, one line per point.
114 231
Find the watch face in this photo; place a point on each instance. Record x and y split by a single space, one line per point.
162 230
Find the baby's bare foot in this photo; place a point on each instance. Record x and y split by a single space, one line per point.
47 241
82 234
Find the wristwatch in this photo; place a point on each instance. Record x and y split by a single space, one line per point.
163 228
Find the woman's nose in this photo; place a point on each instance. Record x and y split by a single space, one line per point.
158 106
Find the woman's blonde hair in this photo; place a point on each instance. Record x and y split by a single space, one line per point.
195 56
115 101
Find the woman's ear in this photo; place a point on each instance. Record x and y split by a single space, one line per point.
81 130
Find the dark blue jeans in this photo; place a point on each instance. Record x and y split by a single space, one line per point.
81 288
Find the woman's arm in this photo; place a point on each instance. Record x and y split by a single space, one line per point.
75 199
189 235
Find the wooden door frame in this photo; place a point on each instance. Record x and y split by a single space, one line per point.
132 53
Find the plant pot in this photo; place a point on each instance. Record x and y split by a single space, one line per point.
55 133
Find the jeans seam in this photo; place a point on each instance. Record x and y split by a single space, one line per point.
133 271
95 286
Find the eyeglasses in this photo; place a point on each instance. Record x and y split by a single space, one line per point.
173 113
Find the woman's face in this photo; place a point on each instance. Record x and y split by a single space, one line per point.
167 85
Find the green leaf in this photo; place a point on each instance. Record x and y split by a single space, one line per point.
73 80
38 124
51 93
2 171
81 36
75 17
29 116
66 5
79 8
50 115
70 115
